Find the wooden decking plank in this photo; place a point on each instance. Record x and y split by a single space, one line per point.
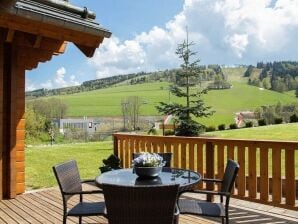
44 208
31 209
27 218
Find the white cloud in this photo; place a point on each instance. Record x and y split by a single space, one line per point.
226 32
60 80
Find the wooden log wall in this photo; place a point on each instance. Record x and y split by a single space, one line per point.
268 169
19 51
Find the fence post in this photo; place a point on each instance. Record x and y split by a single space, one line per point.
209 168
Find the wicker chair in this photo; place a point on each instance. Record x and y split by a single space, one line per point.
167 156
204 208
70 184
141 205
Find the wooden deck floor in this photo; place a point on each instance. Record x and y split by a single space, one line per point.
45 206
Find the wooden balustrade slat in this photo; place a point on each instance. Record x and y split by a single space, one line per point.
126 154
252 183
142 146
231 151
264 181
176 155
200 162
220 160
290 177
241 179
191 156
210 167
276 175
183 155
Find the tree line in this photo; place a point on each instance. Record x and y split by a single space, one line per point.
277 76
208 73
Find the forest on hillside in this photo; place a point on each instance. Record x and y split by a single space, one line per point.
278 76
211 73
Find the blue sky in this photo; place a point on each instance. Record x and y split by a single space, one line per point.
146 34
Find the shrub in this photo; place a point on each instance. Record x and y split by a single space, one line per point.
233 126
210 128
293 118
169 132
261 122
249 124
222 127
277 120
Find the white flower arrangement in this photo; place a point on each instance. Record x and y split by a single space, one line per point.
147 159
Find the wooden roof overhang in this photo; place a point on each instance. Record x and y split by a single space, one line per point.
32 31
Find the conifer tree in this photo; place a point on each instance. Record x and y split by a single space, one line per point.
193 105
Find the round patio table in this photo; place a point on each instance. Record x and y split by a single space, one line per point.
126 177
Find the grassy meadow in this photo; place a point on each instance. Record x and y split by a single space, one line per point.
288 132
107 102
40 159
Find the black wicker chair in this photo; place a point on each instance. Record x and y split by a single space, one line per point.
204 208
166 156
140 205
70 184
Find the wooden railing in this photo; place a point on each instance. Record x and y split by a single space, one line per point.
267 168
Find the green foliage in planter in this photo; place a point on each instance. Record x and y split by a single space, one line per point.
111 163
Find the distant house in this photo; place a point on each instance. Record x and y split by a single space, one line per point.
244 116
86 125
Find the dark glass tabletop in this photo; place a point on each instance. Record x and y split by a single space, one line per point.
168 176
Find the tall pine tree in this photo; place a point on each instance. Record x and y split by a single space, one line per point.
194 105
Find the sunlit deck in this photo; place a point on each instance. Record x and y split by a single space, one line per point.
45 206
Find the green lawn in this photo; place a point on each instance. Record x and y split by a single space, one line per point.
270 132
40 159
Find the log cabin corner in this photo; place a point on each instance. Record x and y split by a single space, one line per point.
32 31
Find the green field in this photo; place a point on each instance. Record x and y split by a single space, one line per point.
241 97
40 159
107 102
270 132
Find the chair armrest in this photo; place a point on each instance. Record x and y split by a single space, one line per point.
88 181
211 192
177 211
211 180
84 192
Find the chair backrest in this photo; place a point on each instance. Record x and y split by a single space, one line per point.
68 178
166 156
229 177
146 205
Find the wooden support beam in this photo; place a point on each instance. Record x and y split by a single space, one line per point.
37 42
10 35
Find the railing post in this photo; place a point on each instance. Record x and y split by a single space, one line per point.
209 168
